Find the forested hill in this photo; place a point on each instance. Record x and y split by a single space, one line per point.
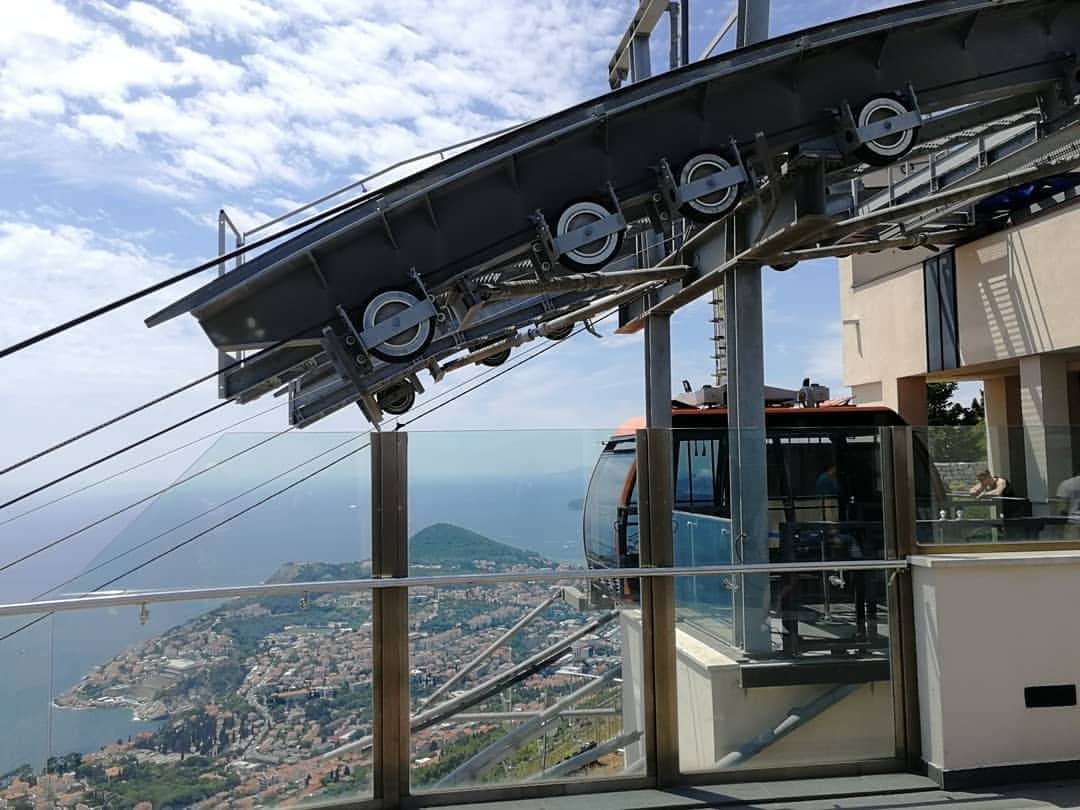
451 548
458 549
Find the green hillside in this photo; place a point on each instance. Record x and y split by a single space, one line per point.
455 548
449 547
320 572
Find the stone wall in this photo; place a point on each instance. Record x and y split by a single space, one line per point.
956 473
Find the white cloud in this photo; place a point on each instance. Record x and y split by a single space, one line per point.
247 94
152 21
233 19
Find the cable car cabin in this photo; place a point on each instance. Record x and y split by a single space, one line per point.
825 502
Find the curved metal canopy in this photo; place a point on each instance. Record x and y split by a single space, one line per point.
475 240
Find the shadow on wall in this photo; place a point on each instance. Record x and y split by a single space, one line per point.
1011 319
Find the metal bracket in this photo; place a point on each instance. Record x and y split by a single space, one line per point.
346 366
542 251
661 206
354 341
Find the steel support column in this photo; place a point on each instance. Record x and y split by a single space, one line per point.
901 510
753 24
746 449
390 616
659 689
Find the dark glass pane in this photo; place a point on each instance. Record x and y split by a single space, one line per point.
933 315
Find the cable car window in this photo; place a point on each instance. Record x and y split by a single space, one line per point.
609 485
696 474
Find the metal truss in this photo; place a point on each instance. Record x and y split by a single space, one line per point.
879 131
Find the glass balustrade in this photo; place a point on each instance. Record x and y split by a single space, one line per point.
998 484
514 679
519 683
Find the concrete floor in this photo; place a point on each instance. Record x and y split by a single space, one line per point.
902 791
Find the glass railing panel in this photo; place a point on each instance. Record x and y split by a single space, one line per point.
491 500
974 485
25 681
821 694
245 509
707 602
809 488
259 700
524 682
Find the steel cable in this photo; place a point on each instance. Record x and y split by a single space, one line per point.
284 489
97 522
143 463
139 502
239 251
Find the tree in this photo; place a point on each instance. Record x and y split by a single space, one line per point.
956 432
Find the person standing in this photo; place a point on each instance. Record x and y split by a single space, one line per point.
989 485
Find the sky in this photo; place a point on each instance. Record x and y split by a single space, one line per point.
125 126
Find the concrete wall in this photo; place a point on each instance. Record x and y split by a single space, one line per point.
884 323
1018 295
717 716
1018 291
986 627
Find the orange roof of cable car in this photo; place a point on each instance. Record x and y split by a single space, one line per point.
628 427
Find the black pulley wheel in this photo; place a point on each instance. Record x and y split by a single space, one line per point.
561 333
497 359
397 399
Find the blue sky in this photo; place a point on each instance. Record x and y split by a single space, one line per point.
124 126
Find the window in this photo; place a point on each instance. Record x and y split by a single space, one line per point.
942 330
609 484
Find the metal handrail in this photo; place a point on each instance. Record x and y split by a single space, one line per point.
365 180
377 583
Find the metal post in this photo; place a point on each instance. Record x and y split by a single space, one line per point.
684 34
656 488
752 26
746 449
390 616
675 33
753 22
223 357
902 648
660 690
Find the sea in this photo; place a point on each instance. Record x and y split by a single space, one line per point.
522 489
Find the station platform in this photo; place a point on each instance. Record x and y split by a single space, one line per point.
907 791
